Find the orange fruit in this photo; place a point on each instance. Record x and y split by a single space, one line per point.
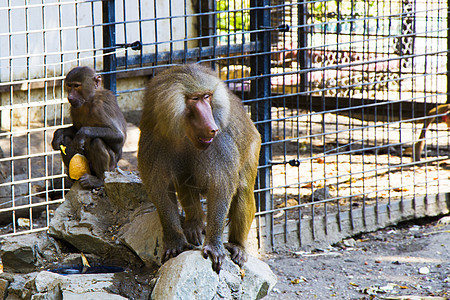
78 166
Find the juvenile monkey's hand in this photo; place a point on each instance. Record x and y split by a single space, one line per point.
58 138
78 143
216 253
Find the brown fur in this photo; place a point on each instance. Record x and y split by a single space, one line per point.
224 172
99 128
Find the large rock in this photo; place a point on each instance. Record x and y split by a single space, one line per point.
51 286
258 280
91 296
88 221
85 286
143 234
20 286
190 276
125 189
3 288
25 253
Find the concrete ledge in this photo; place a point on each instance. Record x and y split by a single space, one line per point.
321 231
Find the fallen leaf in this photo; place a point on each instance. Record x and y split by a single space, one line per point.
400 189
289 203
84 260
298 280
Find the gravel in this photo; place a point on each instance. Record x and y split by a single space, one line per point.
408 261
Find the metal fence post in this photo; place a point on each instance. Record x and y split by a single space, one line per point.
303 43
448 55
261 109
109 43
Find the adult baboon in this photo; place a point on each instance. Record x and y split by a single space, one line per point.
197 139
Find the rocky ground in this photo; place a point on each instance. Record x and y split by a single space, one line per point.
409 261
120 233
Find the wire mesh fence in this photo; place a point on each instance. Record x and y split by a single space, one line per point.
339 91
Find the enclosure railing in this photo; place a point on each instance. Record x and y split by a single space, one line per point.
339 91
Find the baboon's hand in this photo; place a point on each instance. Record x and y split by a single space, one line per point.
238 254
174 248
194 231
216 253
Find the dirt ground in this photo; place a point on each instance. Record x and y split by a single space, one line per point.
408 261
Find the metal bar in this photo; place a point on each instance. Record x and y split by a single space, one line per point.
448 55
109 42
303 43
188 54
261 110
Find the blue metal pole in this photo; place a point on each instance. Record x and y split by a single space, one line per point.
261 109
109 43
